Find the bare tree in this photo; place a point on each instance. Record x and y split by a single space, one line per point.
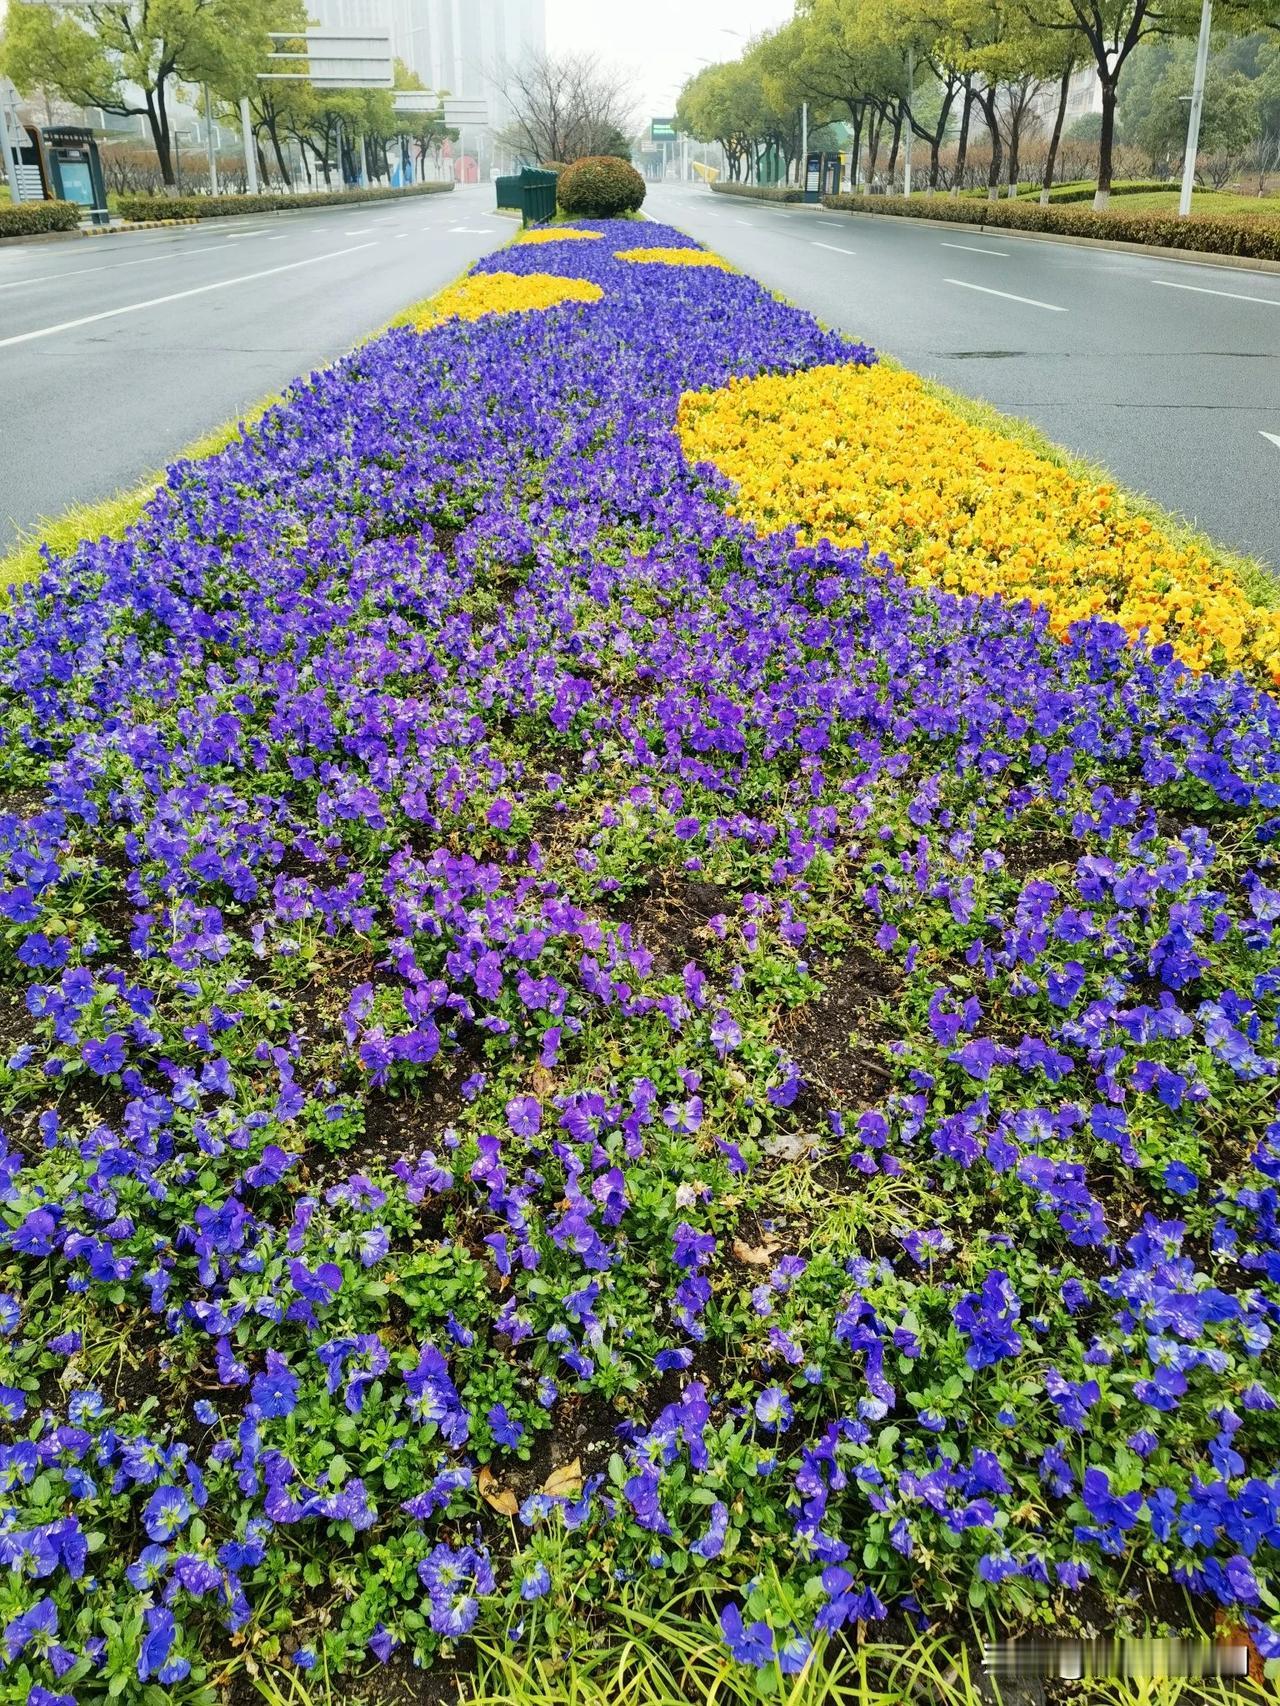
566 107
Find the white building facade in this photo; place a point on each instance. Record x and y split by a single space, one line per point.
461 46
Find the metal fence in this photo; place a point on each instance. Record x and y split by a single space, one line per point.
531 192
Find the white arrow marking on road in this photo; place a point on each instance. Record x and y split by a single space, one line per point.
1008 295
179 295
833 248
1203 290
1274 437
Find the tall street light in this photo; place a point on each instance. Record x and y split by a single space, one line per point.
1197 107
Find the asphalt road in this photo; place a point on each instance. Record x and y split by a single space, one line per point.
1165 372
116 352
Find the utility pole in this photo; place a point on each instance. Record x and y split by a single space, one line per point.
911 95
212 146
1197 107
250 152
804 147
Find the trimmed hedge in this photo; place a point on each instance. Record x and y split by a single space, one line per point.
600 186
31 218
1256 238
139 207
760 192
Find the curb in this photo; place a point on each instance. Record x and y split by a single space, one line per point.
142 225
42 237
1196 257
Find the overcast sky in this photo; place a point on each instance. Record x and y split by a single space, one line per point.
659 42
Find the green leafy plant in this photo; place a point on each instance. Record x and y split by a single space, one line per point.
600 187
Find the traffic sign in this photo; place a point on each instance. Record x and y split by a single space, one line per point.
662 130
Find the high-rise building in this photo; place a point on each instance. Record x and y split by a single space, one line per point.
461 46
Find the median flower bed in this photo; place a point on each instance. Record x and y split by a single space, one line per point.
859 455
560 1052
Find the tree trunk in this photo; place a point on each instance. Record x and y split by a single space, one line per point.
987 101
939 132
1015 141
275 146
1106 143
158 123
897 143
962 148
1052 158
856 150
873 144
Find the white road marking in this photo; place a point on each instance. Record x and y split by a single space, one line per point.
402 234
1274 437
179 295
975 250
1008 295
834 249
110 266
468 231
364 231
1203 290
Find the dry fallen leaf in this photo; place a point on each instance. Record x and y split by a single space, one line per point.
543 1080
564 1482
501 1499
755 1255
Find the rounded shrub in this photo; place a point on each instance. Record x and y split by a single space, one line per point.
600 187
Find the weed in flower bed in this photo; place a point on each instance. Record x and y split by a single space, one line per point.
561 1053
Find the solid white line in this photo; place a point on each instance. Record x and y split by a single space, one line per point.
1007 294
975 250
1274 437
1203 290
179 295
834 250
110 266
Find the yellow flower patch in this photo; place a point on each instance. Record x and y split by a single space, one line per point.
500 293
558 234
674 257
854 454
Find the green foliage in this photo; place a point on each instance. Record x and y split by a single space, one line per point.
140 207
31 218
600 187
759 192
1086 128
1256 238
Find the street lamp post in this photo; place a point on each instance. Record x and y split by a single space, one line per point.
250 151
210 142
911 95
1197 107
